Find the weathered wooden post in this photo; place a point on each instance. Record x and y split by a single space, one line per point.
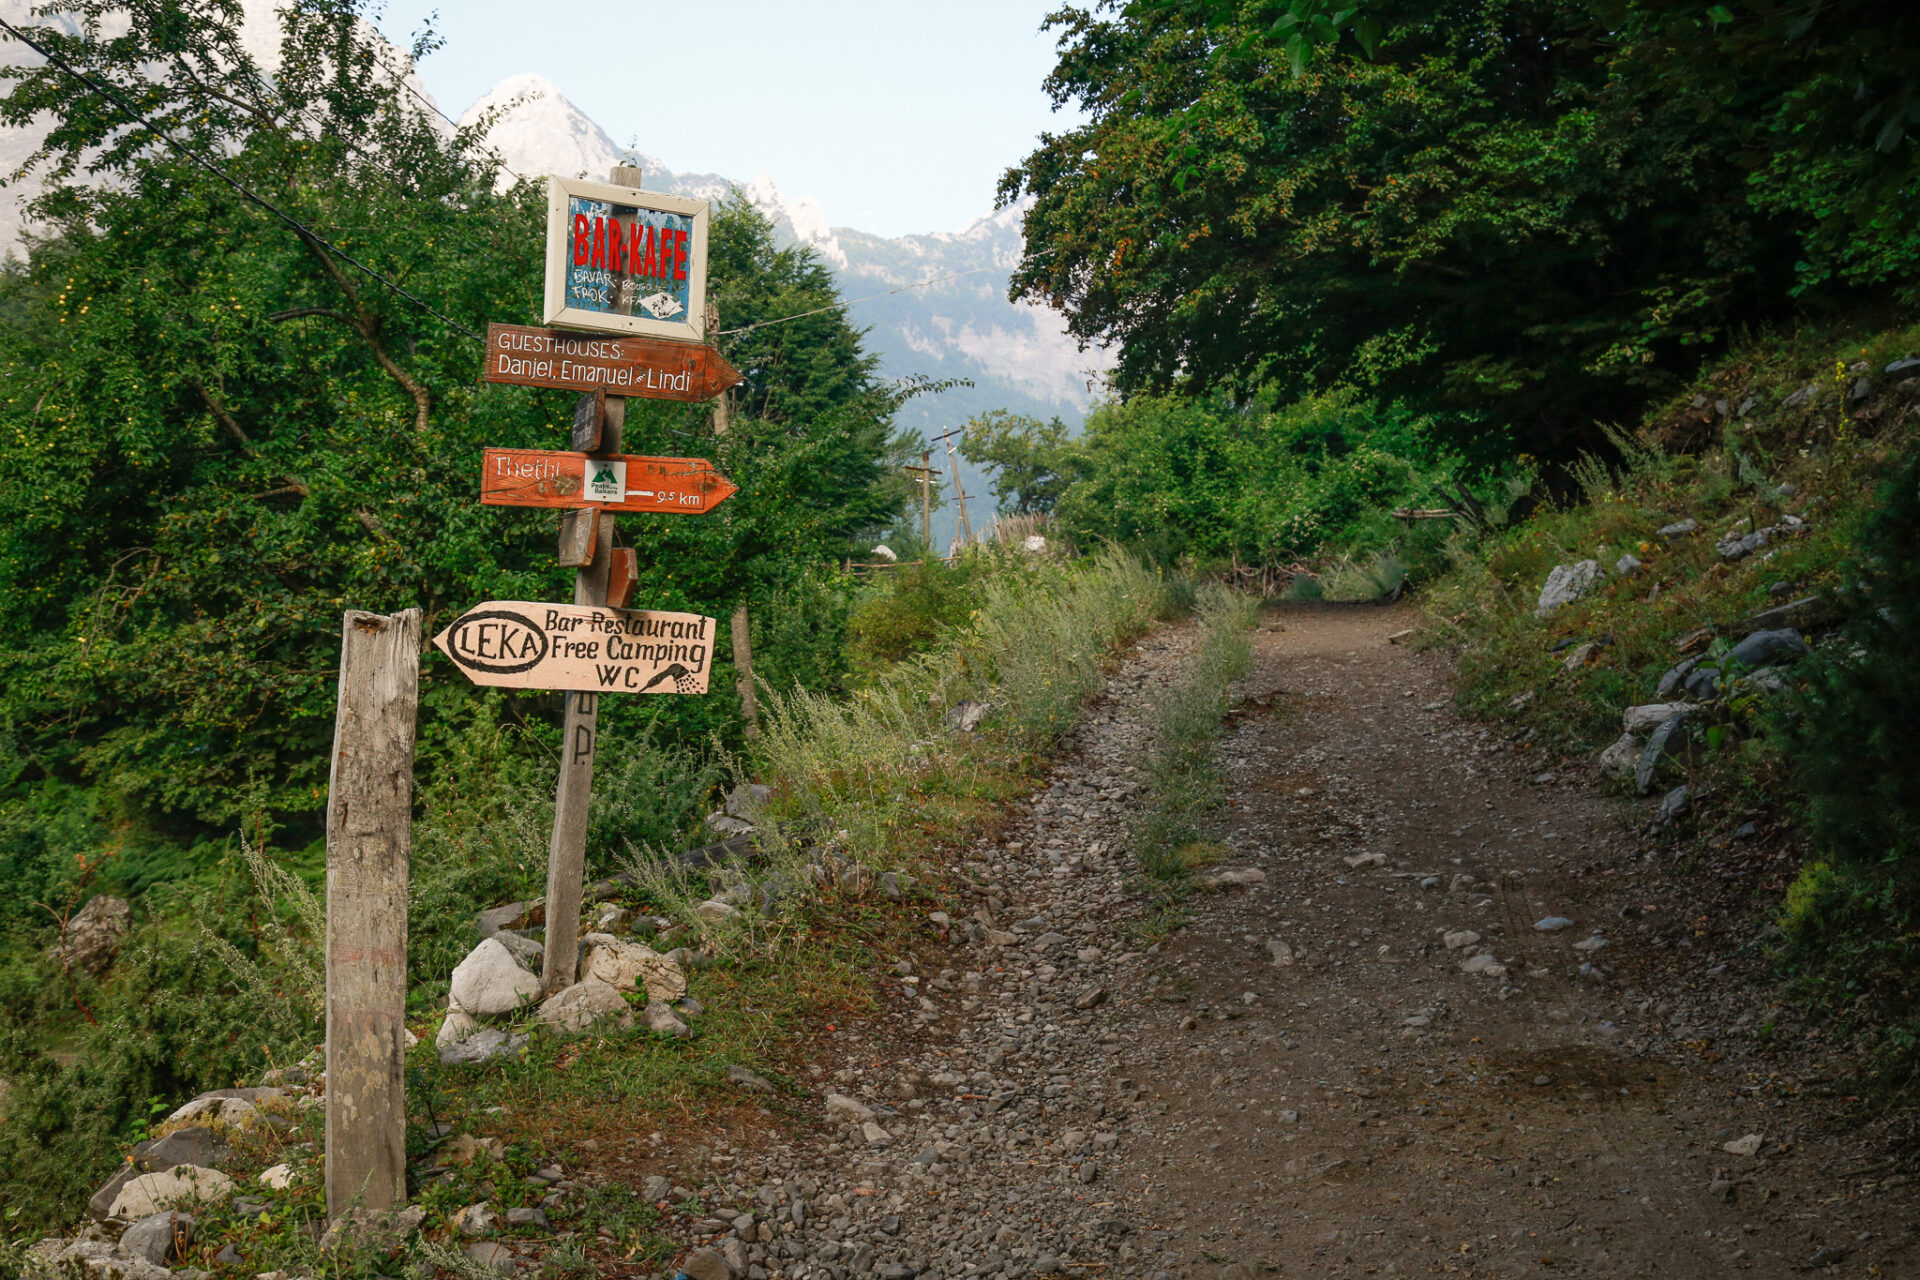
369 813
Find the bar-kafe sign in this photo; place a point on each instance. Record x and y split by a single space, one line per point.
623 260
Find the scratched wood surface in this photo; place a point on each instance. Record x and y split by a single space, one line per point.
651 368
369 811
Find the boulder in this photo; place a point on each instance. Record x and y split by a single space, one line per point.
157 1237
90 938
1679 528
724 825
611 917
490 1255
1675 678
531 951
1648 717
586 1006
1731 548
1617 761
1656 749
1768 648
477 1220
1673 805
492 981
748 800
98 1260
660 1017
1567 583
464 1042
226 1107
707 1264
629 966
278 1178
1703 683
715 912
195 1144
378 1230
152 1193
965 717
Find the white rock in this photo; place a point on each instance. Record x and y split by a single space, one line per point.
586 1006
492 981
278 1178
660 1017
100 1260
841 1107
182 1185
1567 583
233 1111
1282 953
714 911
1747 1146
1646 718
476 1220
462 1041
627 966
1621 759
1460 938
875 1135
1484 963
1235 875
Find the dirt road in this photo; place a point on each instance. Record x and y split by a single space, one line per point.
1465 1020
1376 1110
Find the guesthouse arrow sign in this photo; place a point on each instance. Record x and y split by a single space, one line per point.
513 644
626 365
622 482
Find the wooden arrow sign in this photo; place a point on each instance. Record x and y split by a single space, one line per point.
652 368
623 482
513 644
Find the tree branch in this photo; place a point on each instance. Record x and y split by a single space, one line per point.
367 325
224 418
296 313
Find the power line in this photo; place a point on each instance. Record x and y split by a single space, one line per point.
300 227
725 333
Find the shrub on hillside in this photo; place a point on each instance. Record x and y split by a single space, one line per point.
1854 749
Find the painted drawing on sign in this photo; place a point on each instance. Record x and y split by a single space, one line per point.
520 645
625 260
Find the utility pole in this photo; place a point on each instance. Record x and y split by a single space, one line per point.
959 495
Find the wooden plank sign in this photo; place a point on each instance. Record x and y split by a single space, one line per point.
622 482
624 260
514 644
651 368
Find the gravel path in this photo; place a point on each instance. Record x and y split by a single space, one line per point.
1371 1061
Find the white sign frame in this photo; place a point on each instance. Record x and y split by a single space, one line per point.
560 194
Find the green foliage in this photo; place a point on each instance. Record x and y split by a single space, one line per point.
1540 213
1183 772
1031 460
216 435
1852 748
1261 484
907 609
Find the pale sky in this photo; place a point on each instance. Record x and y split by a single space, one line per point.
897 117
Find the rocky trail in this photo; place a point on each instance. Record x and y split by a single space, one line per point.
1440 1012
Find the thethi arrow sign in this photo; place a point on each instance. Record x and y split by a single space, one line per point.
652 368
623 482
513 644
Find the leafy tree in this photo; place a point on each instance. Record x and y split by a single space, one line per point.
1508 211
1032 461
218 432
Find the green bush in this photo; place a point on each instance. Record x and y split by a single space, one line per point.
1854 744
1263 484
907 609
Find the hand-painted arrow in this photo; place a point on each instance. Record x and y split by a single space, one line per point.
652 368
624 482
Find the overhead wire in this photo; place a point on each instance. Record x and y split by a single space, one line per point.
245 192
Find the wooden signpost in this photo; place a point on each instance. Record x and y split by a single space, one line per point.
515 644
606 482
630 265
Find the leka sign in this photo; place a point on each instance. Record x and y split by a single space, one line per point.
516 644
623 260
